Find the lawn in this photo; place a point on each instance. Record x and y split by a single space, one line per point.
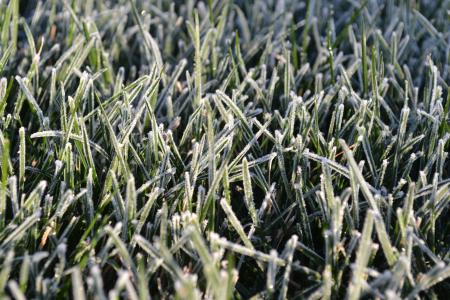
224 149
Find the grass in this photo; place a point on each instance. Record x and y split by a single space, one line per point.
224 149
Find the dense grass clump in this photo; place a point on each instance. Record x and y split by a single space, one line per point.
224 149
